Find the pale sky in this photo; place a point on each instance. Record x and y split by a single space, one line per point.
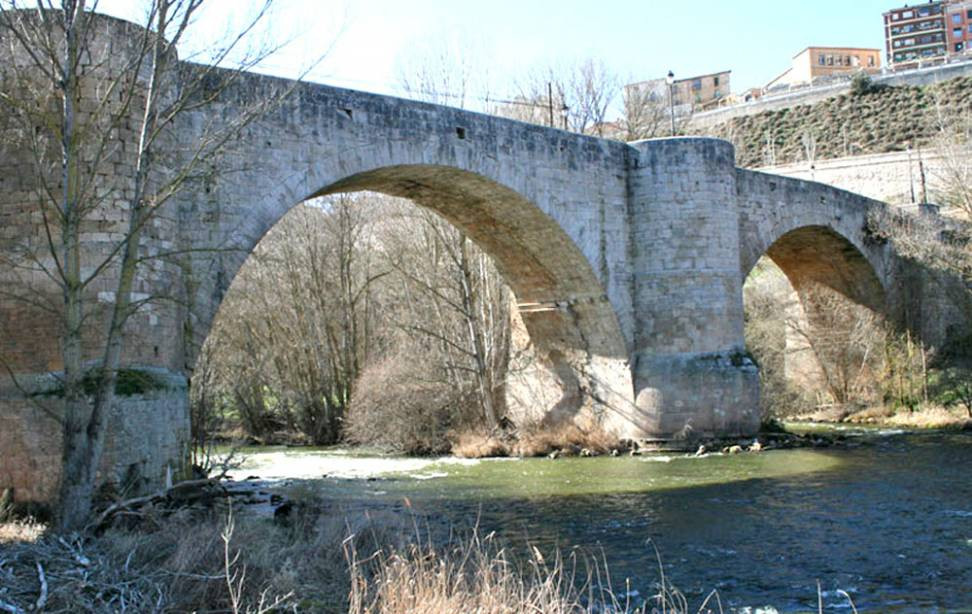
368 43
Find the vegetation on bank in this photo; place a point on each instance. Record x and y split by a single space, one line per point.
316 561
869 119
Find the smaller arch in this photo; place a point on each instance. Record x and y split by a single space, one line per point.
817 337
819 255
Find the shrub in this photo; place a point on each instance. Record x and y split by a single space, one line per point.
399 406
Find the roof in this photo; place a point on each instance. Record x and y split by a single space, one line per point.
711 74
805 49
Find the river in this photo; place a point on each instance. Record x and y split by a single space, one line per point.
889 521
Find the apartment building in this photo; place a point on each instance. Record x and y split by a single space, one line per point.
959 25
688 95
814 63
916 35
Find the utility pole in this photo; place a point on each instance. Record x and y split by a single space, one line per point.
550 103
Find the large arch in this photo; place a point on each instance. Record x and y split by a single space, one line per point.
571 322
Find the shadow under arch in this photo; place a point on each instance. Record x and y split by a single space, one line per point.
819 255
571 322
830 281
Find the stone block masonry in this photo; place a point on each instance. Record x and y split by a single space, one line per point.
148 437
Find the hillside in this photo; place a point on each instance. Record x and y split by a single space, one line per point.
869 120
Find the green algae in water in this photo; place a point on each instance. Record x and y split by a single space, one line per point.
602 475
348 476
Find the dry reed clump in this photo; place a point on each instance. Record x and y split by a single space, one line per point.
20 531
476 575
567 438
478 444
931 417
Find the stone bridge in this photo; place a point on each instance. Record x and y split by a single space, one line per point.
636 254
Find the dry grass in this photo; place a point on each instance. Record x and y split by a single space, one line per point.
21 531
876 413
567 438
928 416
477 444
480 575
931 417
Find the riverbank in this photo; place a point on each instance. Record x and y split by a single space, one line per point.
922 418
317 560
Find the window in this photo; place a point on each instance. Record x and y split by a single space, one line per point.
822 60
907 15
697 84
968 15
970 28
895 17
830 60
870 61
715 82
959 46
957 33
956 18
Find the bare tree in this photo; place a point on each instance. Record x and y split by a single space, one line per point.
646 112
953 144
80 109
576 98
296 328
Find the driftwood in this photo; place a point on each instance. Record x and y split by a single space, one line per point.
180 495
201 494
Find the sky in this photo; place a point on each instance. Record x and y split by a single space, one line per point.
370 44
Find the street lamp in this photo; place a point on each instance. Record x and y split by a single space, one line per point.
564 110
670 80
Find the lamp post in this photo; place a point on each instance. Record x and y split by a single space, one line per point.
670 80
564 110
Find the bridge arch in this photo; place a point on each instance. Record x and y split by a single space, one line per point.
836 283
821 256
572 324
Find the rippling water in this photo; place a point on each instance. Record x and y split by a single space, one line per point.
889 522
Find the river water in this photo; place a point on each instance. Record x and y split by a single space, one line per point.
889 522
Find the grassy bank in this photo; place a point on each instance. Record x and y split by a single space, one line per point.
315 563
927 416
873 121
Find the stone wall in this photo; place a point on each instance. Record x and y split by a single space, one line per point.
890 177
147 436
